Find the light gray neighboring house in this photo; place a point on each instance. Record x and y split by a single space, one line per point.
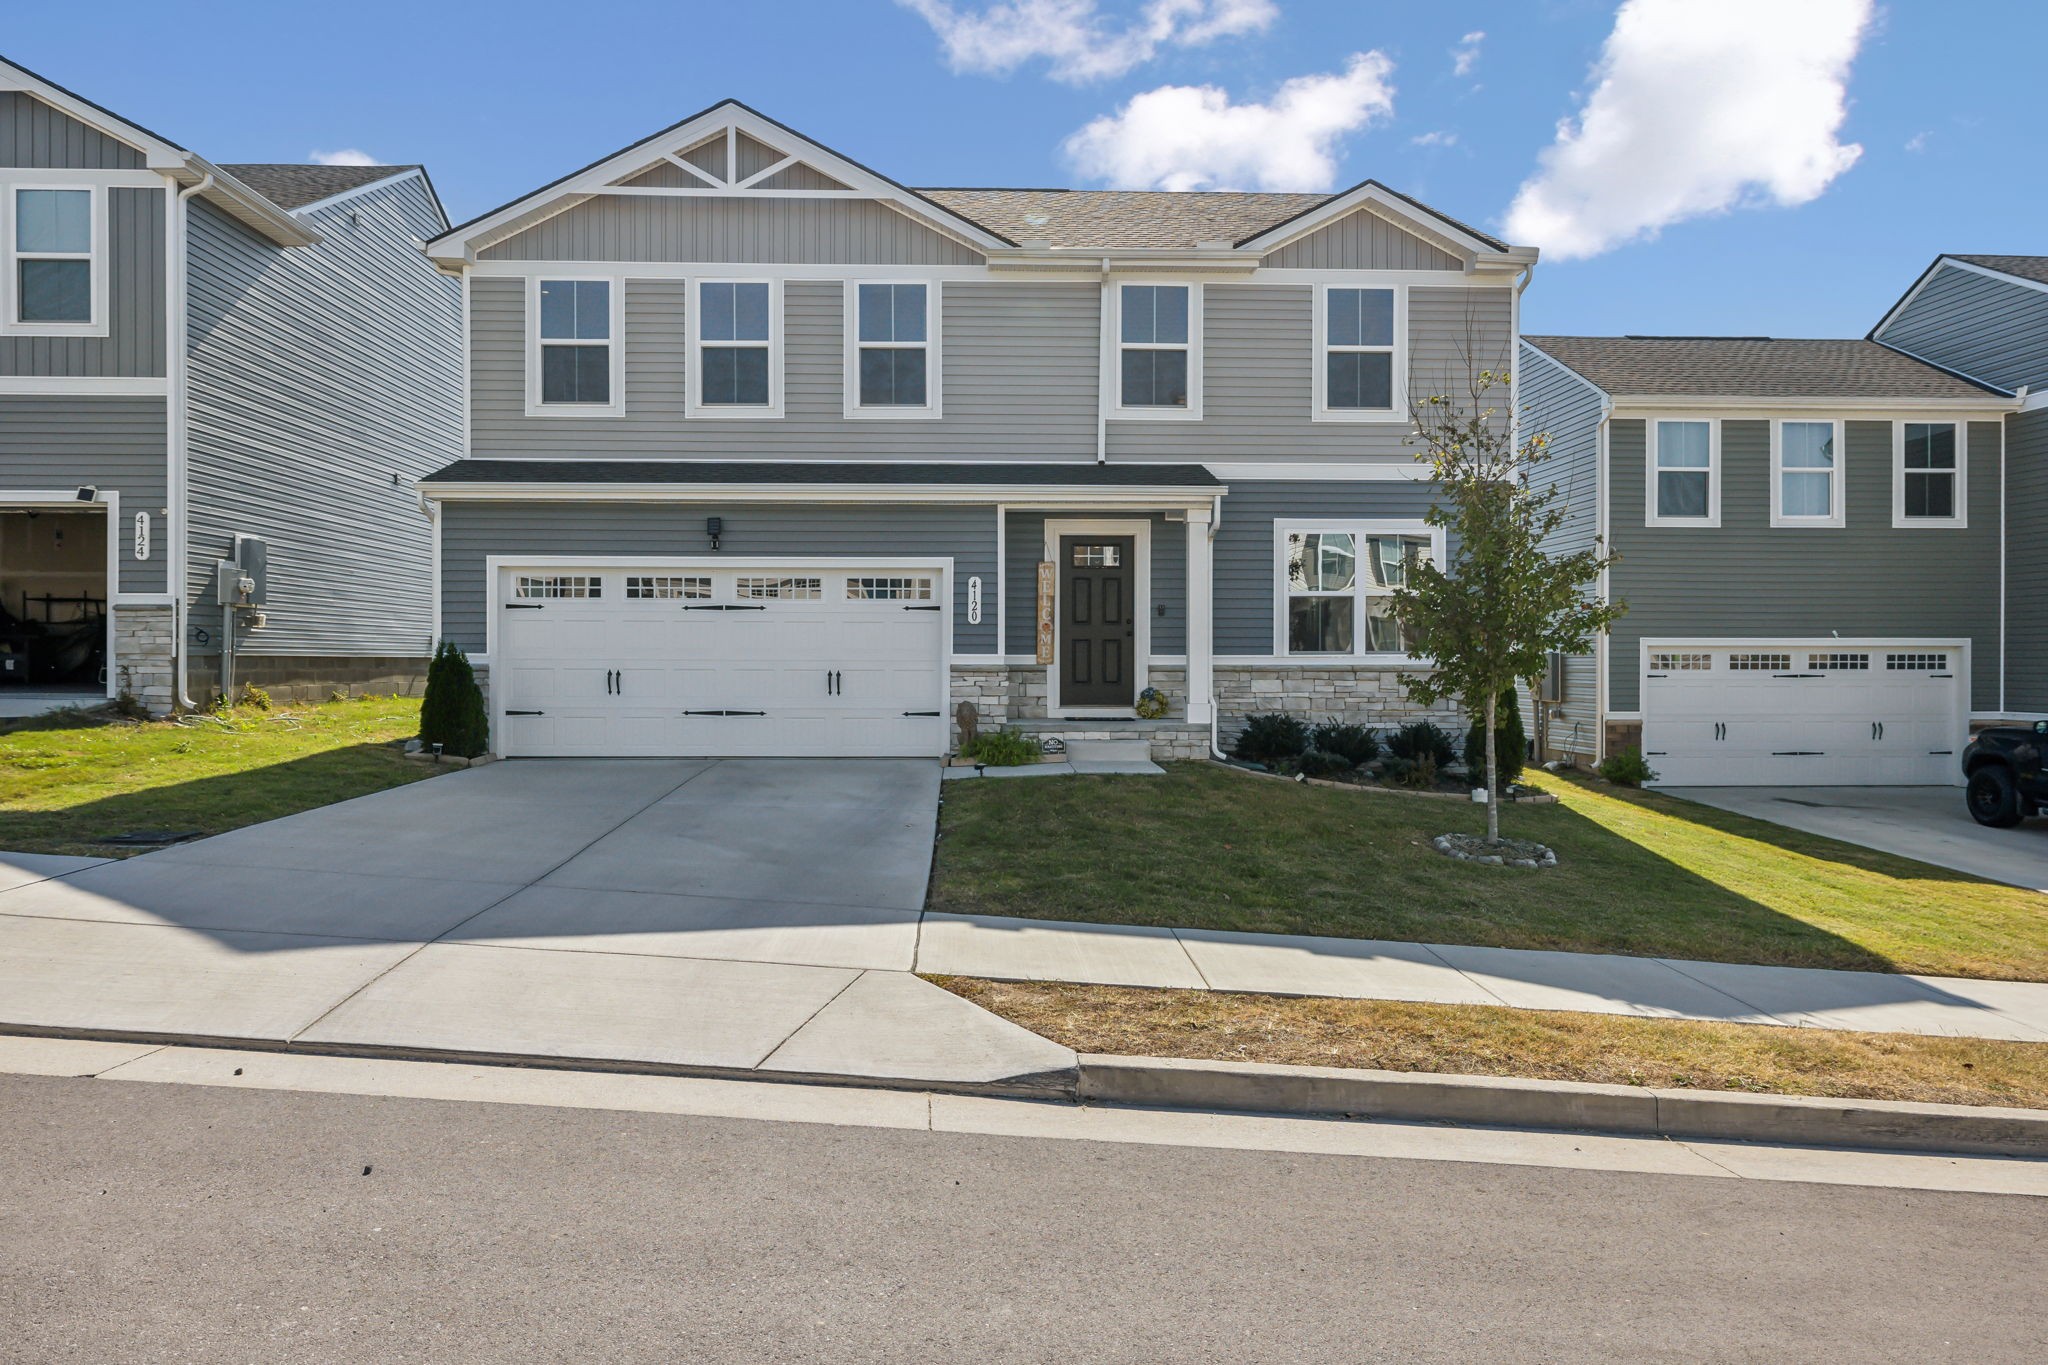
1986 317
192 353
769 454
1809 537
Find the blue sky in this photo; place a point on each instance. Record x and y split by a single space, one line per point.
1775 224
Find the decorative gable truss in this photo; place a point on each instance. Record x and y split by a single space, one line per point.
727 152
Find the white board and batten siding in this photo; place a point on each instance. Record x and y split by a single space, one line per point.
720 658
1805 713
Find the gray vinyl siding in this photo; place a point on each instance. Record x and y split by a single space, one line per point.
1024 536
1560 405
809 231
324 381
134 344
1020 366
2026 569
1244 553
1258 375
1362 241
34 134
113 444
1747 579
472 530
1994 330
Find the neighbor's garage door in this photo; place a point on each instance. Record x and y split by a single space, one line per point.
1814 714
662 661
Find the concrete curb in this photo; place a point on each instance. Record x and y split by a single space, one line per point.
1506 1102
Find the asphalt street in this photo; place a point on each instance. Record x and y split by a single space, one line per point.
166 1222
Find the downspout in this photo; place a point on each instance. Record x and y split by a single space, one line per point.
1215 711
1103 376
176 445
2004 459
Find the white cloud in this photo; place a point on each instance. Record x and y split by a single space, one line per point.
345 156
1189 137
1918 142
1465 55
1439 138
1076 42
1696 109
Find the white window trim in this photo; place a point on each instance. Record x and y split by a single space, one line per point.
693 388
1319 347
1961 520
1837 484
617 342
1113 366
1651 516
98 325
1359 633
932 346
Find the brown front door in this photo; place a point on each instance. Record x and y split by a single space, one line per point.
1098 620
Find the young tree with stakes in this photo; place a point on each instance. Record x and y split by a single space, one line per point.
1490 617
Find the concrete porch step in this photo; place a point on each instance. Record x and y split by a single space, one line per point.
1134 750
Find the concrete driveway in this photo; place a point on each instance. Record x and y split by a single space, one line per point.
1929 824
707 915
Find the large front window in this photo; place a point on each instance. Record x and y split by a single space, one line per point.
1154 356
575 342
53 257
1339 586
1807 475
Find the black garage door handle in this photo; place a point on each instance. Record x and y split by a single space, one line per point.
526 713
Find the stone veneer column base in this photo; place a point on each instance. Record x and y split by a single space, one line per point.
145 667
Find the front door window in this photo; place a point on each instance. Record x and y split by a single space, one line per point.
1098 629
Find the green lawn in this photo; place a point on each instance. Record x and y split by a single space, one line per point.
1640 873
68 782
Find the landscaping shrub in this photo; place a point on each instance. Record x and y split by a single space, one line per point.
1510 746
1271 736
1001 749
452 712
1355 743
1420 739
1628 768
1318 763
1419 773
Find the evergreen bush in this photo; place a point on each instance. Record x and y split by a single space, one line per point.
452 713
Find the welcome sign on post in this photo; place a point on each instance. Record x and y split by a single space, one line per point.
1045 582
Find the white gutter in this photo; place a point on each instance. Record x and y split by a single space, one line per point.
175 430
1104 376
1215 711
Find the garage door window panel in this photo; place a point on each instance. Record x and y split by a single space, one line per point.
667 588
1928 474
1806 474
559 586
1685 473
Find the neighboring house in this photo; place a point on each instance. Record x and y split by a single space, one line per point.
192 353
1808 537
767 452
1986 317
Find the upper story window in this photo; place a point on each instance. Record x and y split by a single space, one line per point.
1806 473
1158 328
892 365
1361 370
56 281
1685 473
572 351
1928 471
738 344
1336 581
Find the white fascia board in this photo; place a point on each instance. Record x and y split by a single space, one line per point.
461 244
1631 405
245 205
1124 260
1012 495
415 173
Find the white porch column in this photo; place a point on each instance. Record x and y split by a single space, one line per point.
1201 627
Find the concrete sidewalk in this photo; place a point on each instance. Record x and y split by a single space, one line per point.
1362 969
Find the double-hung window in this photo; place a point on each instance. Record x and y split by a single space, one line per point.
1359 374
892 362
1928 462
56 283
1336 585
1158 351
1806 473
575 354
1685 473
738 349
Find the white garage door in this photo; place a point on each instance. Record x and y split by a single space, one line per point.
1815 713
679 661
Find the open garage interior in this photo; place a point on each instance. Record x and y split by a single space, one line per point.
1805 713
53 601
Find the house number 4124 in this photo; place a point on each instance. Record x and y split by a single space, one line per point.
142 535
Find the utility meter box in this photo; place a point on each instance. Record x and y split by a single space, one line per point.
232 585
253 554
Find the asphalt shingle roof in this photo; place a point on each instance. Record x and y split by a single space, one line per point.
1123 219
2025 267
1751 367
292 186
966 473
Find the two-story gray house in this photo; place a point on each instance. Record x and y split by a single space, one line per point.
204 362
1810 539
1986 318
767 453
